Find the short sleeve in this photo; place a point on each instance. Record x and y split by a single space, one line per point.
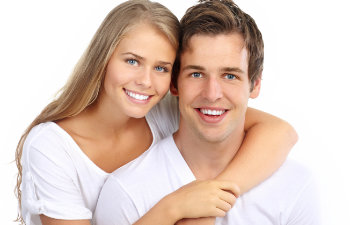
49 184
114 206
164 117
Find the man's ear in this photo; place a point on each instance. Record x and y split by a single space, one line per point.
173 90
256 89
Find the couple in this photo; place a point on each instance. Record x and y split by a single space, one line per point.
104 118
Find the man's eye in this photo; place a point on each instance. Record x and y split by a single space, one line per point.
131 61
161 69
230 76
196 75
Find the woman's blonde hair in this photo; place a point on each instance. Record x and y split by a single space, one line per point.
82 89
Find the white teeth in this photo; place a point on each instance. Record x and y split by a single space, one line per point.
212 112
136 96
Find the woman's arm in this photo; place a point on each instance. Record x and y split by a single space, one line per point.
266 145
194 200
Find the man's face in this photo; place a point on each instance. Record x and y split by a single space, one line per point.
213 86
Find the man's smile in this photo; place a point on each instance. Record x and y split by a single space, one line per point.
211 115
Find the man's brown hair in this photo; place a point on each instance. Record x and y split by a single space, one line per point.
213 17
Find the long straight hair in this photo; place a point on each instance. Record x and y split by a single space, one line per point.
82 88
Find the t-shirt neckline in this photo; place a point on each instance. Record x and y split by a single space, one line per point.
81 152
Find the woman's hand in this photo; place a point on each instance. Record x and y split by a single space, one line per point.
207 198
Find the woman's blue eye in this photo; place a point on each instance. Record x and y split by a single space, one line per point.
131 61
161 69
230 76
196 75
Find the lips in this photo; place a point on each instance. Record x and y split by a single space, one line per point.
212 112
137 97
211 115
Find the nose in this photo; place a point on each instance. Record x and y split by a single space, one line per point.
144 78
212 89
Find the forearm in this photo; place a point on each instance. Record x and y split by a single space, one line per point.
198 221
45 220
161 214
266 145
198 199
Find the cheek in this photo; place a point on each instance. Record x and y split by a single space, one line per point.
115 77
191 94
162 84
237 95
242 98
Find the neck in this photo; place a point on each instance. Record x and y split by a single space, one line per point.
207 159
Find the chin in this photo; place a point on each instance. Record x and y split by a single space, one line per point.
137 114
214 137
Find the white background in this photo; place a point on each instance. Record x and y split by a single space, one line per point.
306 78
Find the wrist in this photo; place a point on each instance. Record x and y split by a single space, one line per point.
163 213
170 208
226 177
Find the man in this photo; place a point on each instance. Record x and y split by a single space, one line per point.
221 61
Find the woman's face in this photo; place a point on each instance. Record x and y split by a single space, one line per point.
139 71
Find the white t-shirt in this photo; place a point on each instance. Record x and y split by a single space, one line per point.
287 197
60 181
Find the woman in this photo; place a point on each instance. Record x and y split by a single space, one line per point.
68 151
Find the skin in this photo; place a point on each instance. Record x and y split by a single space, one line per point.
100 127
212 86
214 83
208 143
133 67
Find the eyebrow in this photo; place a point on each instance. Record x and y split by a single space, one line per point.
224 69
231 69
143 58
133 54
193 67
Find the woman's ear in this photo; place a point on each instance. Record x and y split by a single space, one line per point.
173 90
